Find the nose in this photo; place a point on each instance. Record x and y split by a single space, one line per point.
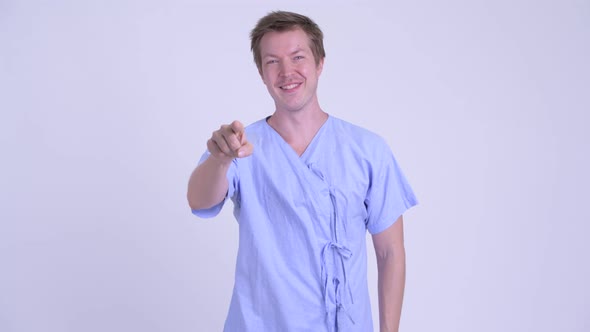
286 68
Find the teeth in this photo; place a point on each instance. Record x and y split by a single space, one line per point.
290 86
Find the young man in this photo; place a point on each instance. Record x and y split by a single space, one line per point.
306 187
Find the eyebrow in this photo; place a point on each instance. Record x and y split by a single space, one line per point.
297 50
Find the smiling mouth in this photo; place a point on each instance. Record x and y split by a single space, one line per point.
290 86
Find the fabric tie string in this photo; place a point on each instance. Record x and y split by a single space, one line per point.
344 253
339 305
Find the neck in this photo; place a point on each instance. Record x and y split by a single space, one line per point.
298 128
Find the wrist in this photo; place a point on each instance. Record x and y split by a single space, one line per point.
221 161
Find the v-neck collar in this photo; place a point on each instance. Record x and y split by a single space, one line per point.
311 147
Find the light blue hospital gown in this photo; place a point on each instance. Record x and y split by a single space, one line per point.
302 260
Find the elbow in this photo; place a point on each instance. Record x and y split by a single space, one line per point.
193 202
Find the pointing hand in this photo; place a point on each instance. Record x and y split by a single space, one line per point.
229 142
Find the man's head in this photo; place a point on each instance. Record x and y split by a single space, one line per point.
281 21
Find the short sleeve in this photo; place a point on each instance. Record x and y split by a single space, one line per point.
232 181
389 194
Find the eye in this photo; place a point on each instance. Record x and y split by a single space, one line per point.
269 62
299 57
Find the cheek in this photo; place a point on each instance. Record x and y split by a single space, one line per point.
267 76
265 80
308 71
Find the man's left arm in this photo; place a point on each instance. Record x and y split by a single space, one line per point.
391 266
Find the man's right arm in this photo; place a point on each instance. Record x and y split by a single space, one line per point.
208 185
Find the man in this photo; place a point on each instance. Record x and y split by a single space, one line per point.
306 187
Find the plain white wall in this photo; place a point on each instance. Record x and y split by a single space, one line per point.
105 108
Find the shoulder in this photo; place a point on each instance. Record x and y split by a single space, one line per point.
359 136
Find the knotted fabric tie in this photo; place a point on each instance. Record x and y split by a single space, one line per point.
344 253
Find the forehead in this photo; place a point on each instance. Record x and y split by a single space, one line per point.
284 42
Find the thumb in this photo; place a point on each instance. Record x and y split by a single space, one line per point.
242 138
245 150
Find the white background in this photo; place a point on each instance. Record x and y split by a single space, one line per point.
105 108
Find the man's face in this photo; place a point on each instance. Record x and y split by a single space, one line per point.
289 70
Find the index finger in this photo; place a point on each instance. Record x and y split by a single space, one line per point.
238 128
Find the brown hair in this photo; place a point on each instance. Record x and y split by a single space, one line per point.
280 21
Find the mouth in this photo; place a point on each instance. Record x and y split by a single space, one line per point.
290 87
